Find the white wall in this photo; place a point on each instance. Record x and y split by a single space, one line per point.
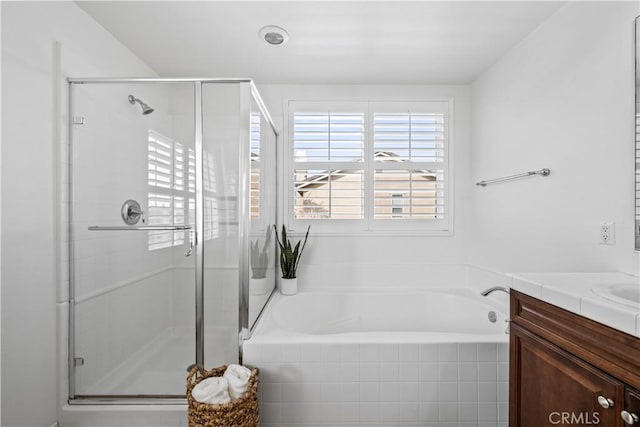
350 259
33 69
562 99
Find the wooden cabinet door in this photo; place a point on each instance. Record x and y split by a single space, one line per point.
550 387
631 407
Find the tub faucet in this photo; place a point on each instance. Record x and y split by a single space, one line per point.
493 289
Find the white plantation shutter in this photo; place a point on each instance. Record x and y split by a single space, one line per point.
171 180
255 183
384 164
409 156
328 154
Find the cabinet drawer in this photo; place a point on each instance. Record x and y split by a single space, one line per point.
608 349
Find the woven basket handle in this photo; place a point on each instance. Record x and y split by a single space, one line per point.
192 377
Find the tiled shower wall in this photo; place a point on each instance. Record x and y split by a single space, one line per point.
427 385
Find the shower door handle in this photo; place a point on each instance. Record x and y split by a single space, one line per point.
192 242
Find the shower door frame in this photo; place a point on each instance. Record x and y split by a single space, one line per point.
247 90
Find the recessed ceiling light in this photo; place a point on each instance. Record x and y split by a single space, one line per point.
274 35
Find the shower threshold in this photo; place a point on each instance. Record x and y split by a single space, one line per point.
155 374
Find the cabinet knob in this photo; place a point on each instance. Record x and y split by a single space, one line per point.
605 402
629 418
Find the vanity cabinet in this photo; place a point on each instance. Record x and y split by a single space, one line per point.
566 369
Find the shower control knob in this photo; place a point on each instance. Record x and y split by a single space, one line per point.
629 417
605 402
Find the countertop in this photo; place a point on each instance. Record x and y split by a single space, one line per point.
575 292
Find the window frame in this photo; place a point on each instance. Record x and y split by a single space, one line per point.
368 225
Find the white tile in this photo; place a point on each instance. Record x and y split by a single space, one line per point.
369 353
350 353
270 413
331 392
349 372
292 393
389 371
369 412
468 391
271 392
331 352
429 391
527 286
448 352
468 371
349 412
503 391
350 392
467 352
331 372
488 412
503 371
390 392
448 372
311 372
390 412
369 392
468 412
410 392
311 353
389 353
487 392
428 371
291 353
614 315
369 371
428 411
290 372
429 352
447 411
503 412
488 372
271 353
410 413
562 297
448 392
503 352
487 352
409 371
409 353
313 392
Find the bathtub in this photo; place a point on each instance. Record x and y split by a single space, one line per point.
453 315
382 357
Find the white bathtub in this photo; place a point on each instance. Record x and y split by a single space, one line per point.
380 357
376 315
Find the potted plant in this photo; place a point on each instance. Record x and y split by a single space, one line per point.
289 259
259 258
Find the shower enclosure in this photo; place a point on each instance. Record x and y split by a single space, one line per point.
171 198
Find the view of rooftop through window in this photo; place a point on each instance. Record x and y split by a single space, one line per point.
391 163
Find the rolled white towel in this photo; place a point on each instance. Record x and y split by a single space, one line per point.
213 390
237 376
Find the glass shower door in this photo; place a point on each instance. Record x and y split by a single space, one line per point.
132 267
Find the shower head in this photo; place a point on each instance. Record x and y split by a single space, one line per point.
145 108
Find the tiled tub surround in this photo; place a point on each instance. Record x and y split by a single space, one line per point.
397 377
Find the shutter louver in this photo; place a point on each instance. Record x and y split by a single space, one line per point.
333 188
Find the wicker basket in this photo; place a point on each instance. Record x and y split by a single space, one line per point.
240 412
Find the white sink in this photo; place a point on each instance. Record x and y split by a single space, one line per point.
621 293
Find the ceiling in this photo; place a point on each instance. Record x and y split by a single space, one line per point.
331 42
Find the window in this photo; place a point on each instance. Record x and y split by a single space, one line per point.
171 180
369 165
